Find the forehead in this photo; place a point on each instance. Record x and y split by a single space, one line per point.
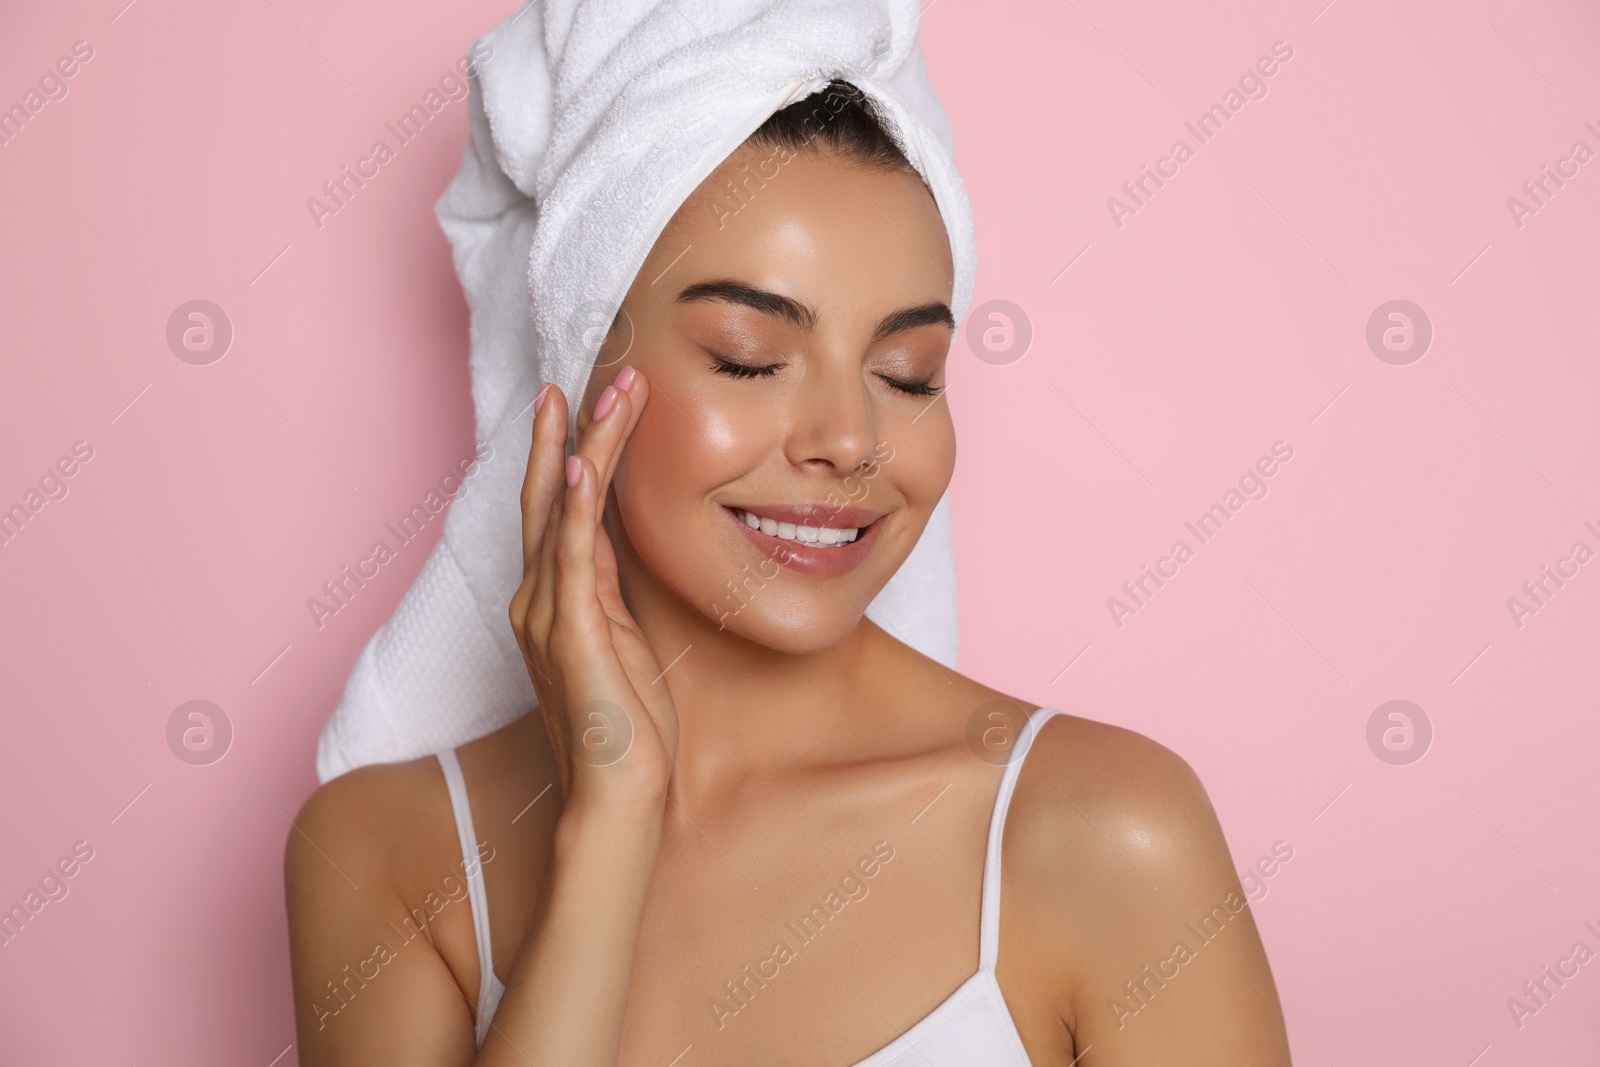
822 230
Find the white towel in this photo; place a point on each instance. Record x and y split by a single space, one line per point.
591 122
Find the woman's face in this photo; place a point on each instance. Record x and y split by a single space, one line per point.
794 339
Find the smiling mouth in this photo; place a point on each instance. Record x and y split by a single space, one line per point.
808 535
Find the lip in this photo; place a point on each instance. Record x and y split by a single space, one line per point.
796 555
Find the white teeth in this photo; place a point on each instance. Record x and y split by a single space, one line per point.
811 535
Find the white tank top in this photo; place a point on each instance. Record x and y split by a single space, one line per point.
971 1025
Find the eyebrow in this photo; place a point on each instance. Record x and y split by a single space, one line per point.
936 313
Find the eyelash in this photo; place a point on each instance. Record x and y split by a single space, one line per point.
742 370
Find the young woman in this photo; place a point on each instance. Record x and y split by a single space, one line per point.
749 826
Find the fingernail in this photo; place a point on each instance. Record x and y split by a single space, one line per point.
538 401
625 379
603 405
574 472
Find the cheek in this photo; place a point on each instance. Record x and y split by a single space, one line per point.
680 451
725 429
923 457
683 448
646 474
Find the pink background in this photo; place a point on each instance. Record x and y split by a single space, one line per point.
1228 313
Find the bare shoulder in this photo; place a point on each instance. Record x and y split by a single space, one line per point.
352 828
1109 815
382 945
1136 791
393 819
1115 863
393 824
368 971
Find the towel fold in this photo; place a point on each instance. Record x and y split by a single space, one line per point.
591 122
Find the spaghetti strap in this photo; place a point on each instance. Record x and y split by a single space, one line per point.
989 930
489 987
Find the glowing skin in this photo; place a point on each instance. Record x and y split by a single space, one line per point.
777 733
852 246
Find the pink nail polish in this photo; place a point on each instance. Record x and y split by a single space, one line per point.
538 400
574 471
603 405
625 379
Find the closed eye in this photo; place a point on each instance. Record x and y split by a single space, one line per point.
744 370
913 388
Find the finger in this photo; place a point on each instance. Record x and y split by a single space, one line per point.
543 478
577 601
638 391
601 440
542 581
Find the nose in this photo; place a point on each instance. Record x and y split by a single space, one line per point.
832 425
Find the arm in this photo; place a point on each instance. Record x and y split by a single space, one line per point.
369 985
1152 951
614 733
567 991
1191 983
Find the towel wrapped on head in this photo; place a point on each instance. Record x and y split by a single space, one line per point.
591 123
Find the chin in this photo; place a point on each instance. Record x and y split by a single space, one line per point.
797 598
801 631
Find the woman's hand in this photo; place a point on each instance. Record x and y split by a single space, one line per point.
607 710
614 732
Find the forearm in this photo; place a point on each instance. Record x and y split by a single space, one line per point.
568 989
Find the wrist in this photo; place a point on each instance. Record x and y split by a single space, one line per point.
592 817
